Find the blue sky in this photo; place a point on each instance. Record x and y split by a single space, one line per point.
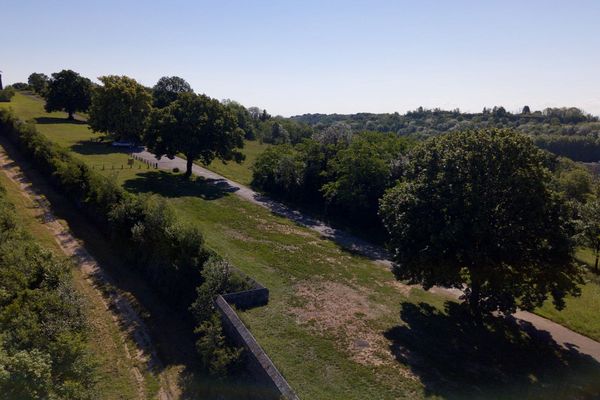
294 57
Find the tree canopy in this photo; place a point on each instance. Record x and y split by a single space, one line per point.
199 127
38 82
120 108
167 89
476 210
68 91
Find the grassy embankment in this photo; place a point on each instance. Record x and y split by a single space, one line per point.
114 368
333 325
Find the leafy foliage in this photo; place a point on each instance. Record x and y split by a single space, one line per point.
476 209
565 131
69 92
347 173
38 82
199 127
120 107
167 89
218 356
42 345
7 94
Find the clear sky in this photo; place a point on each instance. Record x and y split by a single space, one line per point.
294 57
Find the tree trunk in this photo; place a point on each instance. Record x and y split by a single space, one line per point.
70 117
188 168
474 302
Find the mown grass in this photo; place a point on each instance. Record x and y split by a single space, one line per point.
114 369
338 326
240 173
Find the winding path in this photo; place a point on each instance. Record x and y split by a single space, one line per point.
561 335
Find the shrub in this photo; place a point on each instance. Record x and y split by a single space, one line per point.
218 357
43 351
7 94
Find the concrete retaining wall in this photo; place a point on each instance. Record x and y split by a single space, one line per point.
272 384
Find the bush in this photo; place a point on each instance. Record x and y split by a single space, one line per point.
169 254
43 350
219 358
7 94
20 86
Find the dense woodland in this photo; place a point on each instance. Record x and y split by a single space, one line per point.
568 132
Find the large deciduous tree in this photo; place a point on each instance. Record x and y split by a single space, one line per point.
476 212
68 91
199 127
38 82
120 107
167 89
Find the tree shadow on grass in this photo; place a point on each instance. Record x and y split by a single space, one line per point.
170 185
504 358
55 120
98 147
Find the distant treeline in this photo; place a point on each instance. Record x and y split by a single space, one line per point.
574 133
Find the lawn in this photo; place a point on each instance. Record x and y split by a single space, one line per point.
240 173
339 326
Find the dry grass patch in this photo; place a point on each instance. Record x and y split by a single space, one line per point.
347 314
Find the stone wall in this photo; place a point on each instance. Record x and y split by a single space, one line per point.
269 380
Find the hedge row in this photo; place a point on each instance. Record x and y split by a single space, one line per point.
43 351
169 254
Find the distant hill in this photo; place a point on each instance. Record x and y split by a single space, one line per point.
565 131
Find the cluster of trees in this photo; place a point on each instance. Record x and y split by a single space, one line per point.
43 351
342 173
483 209
169 118
167 252
582 129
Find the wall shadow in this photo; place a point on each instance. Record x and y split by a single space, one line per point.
55 120
170 185
456 358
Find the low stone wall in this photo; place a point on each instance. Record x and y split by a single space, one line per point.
270 382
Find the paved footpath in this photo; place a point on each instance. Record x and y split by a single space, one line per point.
561 335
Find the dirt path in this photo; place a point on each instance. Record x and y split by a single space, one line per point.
563 336
121 309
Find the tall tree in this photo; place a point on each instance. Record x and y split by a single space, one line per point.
38 82
589 228
476 210
68 91
120 107
199 127
167 89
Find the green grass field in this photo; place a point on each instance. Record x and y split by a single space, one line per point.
338 326
240 173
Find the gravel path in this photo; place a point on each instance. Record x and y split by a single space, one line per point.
563 336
